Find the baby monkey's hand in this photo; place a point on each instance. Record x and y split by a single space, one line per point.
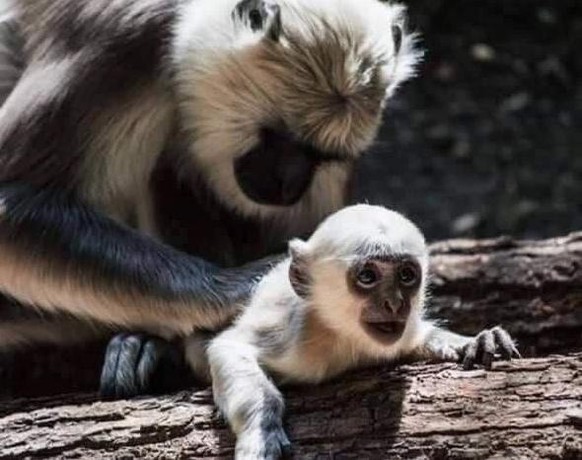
486 346
482 349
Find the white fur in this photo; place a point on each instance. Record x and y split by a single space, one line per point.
124 148
342 233
6 10
232 82
329 253
306 340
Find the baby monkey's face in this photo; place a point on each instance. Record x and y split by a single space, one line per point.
363 271
387 288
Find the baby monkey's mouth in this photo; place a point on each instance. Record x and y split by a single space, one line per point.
382 324
389 327
387 332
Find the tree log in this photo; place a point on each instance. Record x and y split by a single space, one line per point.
532 288
525 409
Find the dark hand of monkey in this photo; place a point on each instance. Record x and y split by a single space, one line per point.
482 349
140 364
274 443
485 345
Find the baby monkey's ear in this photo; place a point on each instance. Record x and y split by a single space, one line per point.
299 269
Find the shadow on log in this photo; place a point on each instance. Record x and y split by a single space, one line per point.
525 409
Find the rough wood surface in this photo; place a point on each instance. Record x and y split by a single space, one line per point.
532 288
526 409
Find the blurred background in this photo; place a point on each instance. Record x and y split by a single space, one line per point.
487 140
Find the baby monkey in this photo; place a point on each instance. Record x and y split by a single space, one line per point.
352 295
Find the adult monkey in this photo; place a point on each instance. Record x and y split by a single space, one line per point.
259 107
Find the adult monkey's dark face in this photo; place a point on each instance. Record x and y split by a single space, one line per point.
279 170
280 97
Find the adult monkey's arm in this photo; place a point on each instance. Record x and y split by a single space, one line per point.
59 253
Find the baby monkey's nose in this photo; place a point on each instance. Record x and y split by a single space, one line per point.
394 302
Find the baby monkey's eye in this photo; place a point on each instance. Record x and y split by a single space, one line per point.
368 277
408 274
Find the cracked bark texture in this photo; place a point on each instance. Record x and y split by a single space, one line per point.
534 288
525 409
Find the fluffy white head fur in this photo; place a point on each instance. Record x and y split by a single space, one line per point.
332 249
326 80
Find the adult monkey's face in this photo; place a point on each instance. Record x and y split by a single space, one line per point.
279 97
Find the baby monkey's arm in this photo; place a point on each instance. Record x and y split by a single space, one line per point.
440 344
246 396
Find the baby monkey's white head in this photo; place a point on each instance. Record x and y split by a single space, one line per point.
364 272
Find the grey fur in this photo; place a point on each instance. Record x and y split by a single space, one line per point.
276 341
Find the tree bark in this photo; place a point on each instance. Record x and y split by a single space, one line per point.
525 409
532 288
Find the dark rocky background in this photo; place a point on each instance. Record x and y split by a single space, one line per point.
488 139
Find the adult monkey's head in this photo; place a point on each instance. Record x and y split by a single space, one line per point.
279 97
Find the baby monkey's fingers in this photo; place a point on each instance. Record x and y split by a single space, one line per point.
505 343
263 443
486 346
